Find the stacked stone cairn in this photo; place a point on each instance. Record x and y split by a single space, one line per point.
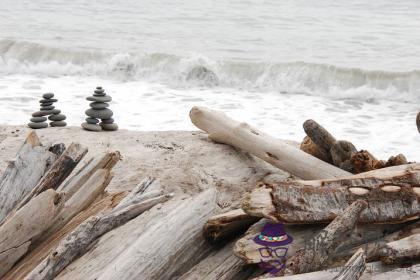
39 119
99 111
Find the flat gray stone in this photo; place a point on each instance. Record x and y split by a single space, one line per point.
47 108
47 100
92 120
56 111
38 125
105 98
98 105
57 117
58 123
107 121
38 119
99 92
41 113
99 114
109 127
46 104
48 95
91 127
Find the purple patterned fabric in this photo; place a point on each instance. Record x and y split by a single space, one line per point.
273 235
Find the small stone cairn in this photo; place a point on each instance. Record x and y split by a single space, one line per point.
99 111
39 118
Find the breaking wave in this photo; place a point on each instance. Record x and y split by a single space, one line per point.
18 57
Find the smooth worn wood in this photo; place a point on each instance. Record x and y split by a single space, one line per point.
23 173
80 239
354 267
222 227
43 249
58 172
308 146
392 199
341 153
319 135
225 130
320 248
403 250
26 225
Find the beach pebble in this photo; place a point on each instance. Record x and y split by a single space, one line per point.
105 98
99 91
99 114
109 127
41 113
46 104
47 100
58 123
47 108
48 95
38 125
91 127
56 111
107 121
57 117
38 119
92 120
98 105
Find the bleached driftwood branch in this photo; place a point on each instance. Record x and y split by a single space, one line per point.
354 267
406 249
225 130
80 239
26 225
22 174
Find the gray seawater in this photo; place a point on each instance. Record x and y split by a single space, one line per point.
352 65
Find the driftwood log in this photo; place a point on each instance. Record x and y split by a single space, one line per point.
322 246
418 122
26 225
403 250
225 130
354 268
393 197
80 239
23 173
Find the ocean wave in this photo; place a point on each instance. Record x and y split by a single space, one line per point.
19 57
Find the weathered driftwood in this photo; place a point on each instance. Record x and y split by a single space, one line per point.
18 232
58 172
225 130
226 225
354 267
406 249
391 199
319 135
308 146
41 251
107 161
23 173
322 246
80 239
418 122
221 265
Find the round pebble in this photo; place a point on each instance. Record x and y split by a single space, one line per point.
109 127
105 98
38 125
58 117
91 127
38 119
41 113
99 92
47 108
98 105
48 95
47 100
92 120
99 114
58 123
107 121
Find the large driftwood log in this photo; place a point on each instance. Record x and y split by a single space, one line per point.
322 246
58 172
22 174
406 249
354 267
226 225
43 249
80 239
391 199
308 146
225 130
27 224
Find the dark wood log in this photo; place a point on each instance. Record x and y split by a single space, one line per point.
399 159
341 153
308 146
23 173
418 122
323 245
222 227
319 135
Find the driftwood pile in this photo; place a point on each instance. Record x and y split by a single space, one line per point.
350 215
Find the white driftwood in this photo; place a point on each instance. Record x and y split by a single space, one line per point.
17 233
167 248
22 174
354 267
406 249
225 130
80 239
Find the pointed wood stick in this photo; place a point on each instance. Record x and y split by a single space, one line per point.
22 175
225 130
354 267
